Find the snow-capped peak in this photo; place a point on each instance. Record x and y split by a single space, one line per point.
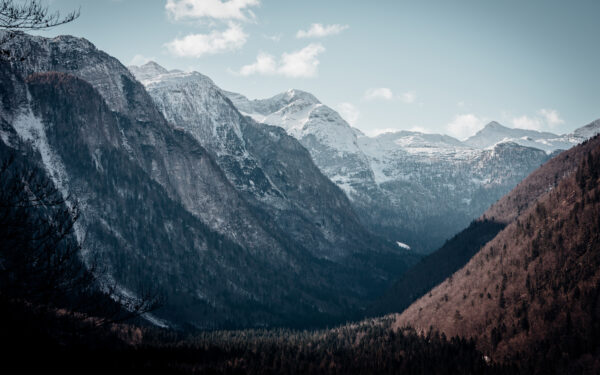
152 73
493 125
588 131
494 133
295 94
153 76
147 71
406 138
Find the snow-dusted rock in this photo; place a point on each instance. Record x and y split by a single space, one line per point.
494 133
411 187
255 156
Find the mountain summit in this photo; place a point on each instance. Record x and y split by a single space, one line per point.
494 133
147 71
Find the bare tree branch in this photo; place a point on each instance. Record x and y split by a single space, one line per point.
31 15
27 15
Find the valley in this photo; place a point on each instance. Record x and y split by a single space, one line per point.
427 201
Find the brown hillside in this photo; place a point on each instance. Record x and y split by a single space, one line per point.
535 288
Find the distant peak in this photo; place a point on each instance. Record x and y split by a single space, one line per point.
147 71
74 39
152 65
593 124
494 125
299 94
588 130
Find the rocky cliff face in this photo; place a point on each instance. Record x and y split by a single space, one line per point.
274 172
213 228
415 188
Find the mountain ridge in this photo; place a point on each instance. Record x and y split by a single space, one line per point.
536 283
388 178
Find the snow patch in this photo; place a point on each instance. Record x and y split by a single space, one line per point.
403 245
128 300
32 130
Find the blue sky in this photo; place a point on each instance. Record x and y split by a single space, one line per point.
436 66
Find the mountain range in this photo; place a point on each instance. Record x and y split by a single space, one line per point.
276 212
243 232
245 213
405 183
457 251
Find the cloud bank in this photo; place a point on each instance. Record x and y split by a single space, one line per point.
198 45
384 93
301 63
215 9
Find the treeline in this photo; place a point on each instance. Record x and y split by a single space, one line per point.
369 348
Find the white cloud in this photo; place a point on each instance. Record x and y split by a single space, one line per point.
348 112
274 38
408 97
385 93
551 116
526 122
216 9
301 63
265 64
544 119
140 60
197 45
317 30
379 93
463 126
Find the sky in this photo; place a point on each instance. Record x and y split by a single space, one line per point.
434 66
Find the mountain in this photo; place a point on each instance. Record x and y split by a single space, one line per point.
401 184
147 71
494 133
271 168
456 252
531 293
587 131
164 212
333 144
